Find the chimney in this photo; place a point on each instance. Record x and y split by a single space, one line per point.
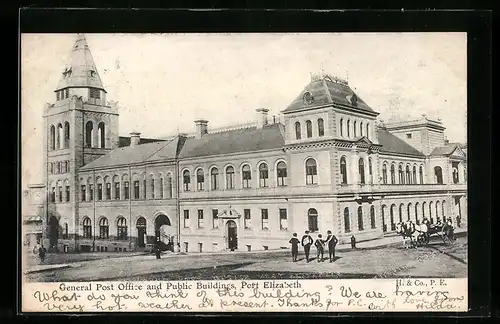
261 117
201 127
135 138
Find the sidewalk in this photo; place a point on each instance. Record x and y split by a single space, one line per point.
375 243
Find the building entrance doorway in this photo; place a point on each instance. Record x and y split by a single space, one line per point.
163 233
53 232
141 232
232 237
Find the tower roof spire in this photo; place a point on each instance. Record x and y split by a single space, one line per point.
80 70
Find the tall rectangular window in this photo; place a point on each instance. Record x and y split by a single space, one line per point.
283 220
99 191
247 219
136 189
53 195
161 188
67 193
152 189
126 192
144 189
60 194
215 218
108 191
200 218
91 192
186 218
84 193
265 219
117 190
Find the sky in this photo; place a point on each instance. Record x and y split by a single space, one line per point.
163 82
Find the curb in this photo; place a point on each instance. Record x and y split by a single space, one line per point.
62 266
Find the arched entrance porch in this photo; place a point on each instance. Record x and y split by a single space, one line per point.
232 235
164 232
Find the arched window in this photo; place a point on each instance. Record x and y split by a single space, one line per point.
360 219
103 228
116 187
401 213
200 179
311 172
214 178
89 130
443 209
229 177
341 127
152 186
66 231
343 169
401 174
186 180
66 135
438 175
162 187
417 220
246 176
298 134
367 131
431 214
348 128
59 190
321 127
107 185
309 129
455 175
354 126
414 174
408 174
126 187
59 136
382 211
263 175
101 129
393 223
87 228
424 207
361 170
361 129
122 230
409 211
370 170
312 216
52 144
67 190
347 220
438 205
421 174
393 174
281 173
384 173
372 217
170 189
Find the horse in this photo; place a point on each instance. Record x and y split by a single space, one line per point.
406 230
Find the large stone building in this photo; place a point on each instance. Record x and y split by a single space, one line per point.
326 164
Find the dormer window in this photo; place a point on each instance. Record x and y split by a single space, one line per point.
92 73
308 98
94 93
408 136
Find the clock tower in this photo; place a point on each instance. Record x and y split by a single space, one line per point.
80 126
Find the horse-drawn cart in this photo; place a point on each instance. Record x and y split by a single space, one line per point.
419 235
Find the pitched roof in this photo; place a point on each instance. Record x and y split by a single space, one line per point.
80 70
392 144
326 91
125 141
234 141
141 153
444 150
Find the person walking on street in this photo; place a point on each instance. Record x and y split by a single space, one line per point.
41 253
331 241
307 241
320 248
295 246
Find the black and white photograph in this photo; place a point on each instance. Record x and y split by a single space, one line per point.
271 158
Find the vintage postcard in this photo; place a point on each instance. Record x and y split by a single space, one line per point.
276 172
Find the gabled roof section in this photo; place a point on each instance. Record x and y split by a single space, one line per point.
163 150
449 150
326 90
392 144
248 139
80 70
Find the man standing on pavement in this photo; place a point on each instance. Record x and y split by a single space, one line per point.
295 246
307 241
157 248
331 241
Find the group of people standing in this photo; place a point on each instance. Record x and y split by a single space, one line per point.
321 244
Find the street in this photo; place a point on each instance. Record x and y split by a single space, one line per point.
391 261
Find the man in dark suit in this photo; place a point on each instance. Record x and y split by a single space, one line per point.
307 241
331 241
